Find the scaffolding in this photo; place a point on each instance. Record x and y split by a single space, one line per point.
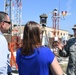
14 10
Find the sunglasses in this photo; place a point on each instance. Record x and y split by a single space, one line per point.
7 22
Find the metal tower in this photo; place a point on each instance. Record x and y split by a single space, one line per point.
55 19
7 7
14 10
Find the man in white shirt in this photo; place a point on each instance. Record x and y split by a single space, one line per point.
4 26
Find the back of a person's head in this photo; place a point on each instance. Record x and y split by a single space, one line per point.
2 16
31 37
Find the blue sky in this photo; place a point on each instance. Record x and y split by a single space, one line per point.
32 9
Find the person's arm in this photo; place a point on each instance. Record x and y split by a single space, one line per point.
55 68
60 46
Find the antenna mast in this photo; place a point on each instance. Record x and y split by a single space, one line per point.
14 10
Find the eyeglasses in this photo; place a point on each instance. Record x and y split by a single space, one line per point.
7 22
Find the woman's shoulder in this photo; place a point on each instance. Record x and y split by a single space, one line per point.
45 49
48 53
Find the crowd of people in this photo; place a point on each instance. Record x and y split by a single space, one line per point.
32 58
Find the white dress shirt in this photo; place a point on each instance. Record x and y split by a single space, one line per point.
3 55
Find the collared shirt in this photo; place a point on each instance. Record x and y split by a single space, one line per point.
3 55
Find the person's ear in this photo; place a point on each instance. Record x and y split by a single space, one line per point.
2 24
